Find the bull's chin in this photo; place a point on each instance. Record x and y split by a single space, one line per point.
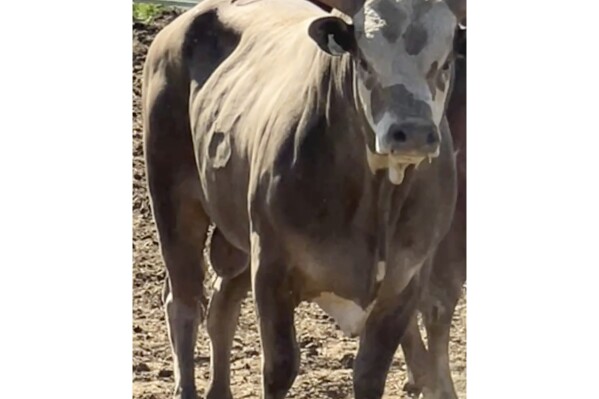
396 165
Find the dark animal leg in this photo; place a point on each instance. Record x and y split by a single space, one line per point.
379 341
180 219
417 358
275 310
223 313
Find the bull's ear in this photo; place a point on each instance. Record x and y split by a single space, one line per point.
332 35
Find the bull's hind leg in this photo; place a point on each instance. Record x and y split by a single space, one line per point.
438 314
180 219
431 368
182 233
223 311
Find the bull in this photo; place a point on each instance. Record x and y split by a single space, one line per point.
318 145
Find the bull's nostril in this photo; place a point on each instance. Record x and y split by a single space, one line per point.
399 136
431 138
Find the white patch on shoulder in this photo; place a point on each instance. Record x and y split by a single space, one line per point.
349 315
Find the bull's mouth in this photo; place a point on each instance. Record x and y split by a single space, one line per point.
397 168
396 165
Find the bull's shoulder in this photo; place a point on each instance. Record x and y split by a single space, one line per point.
312 189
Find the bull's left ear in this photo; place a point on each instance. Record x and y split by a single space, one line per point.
332 35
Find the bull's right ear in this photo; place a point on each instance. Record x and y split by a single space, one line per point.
332 35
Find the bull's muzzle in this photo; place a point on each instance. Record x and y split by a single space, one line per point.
405 144
410 141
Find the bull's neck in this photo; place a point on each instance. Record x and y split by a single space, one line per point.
351 130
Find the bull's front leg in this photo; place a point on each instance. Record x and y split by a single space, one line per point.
275 310
379 342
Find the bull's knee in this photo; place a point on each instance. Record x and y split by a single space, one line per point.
183 312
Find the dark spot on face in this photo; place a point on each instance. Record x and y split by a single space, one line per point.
395 19
421 8
398 99
415 38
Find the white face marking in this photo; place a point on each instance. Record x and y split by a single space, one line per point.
382 127
438 105
372 21
364 95
380 131
349 315
391 63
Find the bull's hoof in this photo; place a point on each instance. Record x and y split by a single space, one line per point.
185 394
219 394
224 396
413 390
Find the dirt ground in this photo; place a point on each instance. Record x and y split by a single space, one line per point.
326 355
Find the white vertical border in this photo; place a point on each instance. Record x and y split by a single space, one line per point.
533 198
65 199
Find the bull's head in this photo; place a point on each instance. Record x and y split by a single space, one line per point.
402 54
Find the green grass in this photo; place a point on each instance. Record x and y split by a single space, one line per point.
144 12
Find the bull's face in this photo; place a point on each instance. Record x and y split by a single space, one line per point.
402 54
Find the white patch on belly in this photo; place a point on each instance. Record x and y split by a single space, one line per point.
349 315
217 283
